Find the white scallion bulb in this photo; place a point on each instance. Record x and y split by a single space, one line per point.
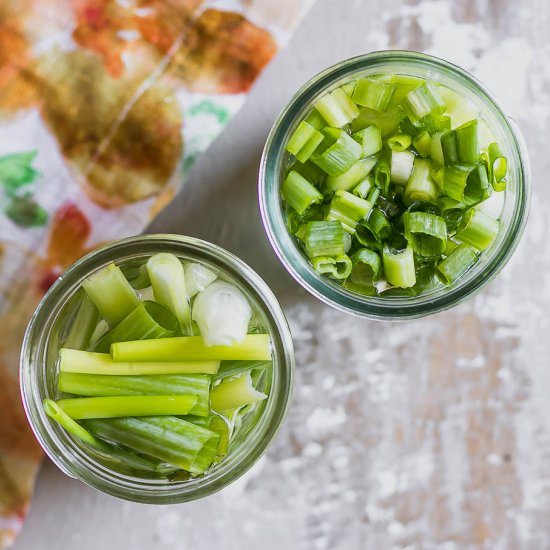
222 313
197 278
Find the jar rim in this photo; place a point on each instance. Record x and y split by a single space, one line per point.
70 457
293 259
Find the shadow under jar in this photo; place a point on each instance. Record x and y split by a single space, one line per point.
39 373
512 205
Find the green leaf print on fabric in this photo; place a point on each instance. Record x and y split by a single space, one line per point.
16 171
17 178
26 212
208 107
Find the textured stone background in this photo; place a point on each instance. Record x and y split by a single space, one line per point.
426 434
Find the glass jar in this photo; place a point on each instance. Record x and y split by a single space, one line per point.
38 372
514 210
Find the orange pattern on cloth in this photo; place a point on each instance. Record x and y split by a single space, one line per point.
104 106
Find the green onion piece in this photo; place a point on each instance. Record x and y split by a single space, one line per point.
97 385
349 179
220 425
467 142
299 193
301 137
399 142
366 267
457 107
234 368
83 408
346 104
83 324
231 394
136 274
337 108
437 177
467 184
478 187
362 189
449 147
454 181
168 282
165 437
147 320
461 259
403 85
337 153
420 187
477 229
423 144
348 210
497 167
316 120
197 278
309 171
111 293
338 267
370 139
382 173
192 348
87 362
436 151
451 246
423 101
379 225
399 267
372 94
301 232
402 163
426 233
325 239
55 412
387 121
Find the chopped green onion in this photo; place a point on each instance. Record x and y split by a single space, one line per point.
311 172
98 385
192 348
423 101
147 320
348 180
299 193
379 225
168 282
220 425
497 167
449 147
372 94
457 107
348 210
337 267
399 267
370 139
402 163
87 362
420 187
461 259
467 184
366 268
325 239
165 437
388 121
222 313
423 144
316 120
426 233
83 408
399 142
436 151
363 188
467 141
337 108
197 278
54 411
478 229
111 293
231 394
304 141
136 274
83 325
337 153
404 84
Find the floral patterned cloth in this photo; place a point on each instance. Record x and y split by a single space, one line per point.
104 107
